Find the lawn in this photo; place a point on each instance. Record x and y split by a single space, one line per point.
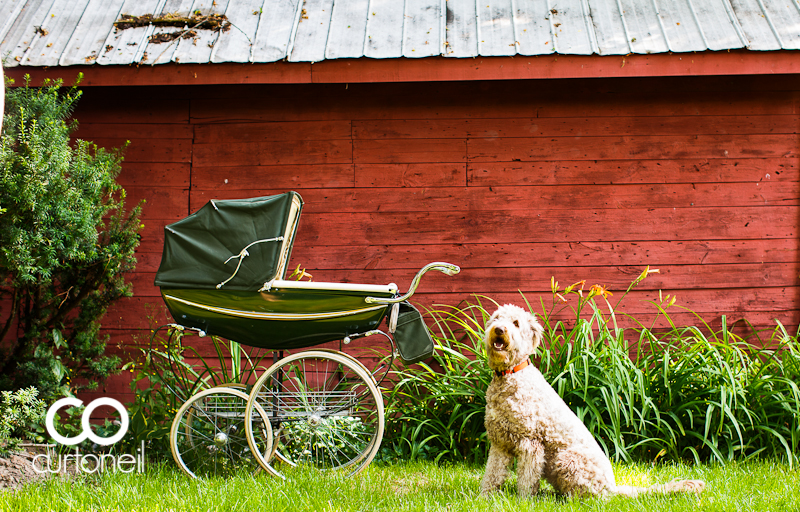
760 486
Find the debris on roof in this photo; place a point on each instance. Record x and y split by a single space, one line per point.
196 20
189 25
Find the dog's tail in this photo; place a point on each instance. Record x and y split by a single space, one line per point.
695 486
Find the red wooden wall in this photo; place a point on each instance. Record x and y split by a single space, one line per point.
515 181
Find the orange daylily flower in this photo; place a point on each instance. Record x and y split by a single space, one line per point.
597 289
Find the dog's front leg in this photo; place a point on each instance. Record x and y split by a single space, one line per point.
530 464
496 469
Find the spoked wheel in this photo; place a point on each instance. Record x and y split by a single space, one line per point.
208 435
328 408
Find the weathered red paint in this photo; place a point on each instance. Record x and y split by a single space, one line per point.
432 69
516 181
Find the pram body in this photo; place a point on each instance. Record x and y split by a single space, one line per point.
293 314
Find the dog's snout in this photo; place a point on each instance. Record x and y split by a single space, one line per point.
499 331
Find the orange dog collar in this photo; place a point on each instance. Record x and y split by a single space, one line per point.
520 366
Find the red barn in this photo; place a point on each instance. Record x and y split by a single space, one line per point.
582 141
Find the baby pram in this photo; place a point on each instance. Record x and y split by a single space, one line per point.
223 273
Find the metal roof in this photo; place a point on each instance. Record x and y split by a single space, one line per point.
72 32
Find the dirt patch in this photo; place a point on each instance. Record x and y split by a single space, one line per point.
17 470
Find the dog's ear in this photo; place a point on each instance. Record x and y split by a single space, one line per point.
537 333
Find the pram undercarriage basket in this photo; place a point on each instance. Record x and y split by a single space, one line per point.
223 273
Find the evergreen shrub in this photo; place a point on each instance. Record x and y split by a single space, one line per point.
66 243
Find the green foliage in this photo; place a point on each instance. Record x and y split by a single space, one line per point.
151 412
170 372
684 393
65 245
336 434
435 409
18 412
184 369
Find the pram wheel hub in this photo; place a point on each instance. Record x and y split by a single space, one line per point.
220 439
222 273
314 420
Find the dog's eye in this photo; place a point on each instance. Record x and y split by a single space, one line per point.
516 323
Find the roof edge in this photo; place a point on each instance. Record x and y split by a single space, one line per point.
431 69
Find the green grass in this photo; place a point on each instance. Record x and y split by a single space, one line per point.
754 485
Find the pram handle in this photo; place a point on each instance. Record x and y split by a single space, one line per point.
445 268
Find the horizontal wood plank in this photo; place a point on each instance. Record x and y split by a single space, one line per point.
393 151
159 203
151 236
566 197
628 147
147 261
763 222
259 132
561 172
151 150
667 103
136 313
495 280
750 84
659 66
573 126
525 68
270 177
235 154
410 175
566 226
497 100
146 174
91 131
472 255
139 106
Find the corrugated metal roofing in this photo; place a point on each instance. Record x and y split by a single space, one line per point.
70 32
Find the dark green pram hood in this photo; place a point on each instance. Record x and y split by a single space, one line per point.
255 235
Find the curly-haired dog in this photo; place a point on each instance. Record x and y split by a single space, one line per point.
526 419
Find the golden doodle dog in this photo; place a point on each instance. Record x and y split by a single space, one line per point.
526 419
